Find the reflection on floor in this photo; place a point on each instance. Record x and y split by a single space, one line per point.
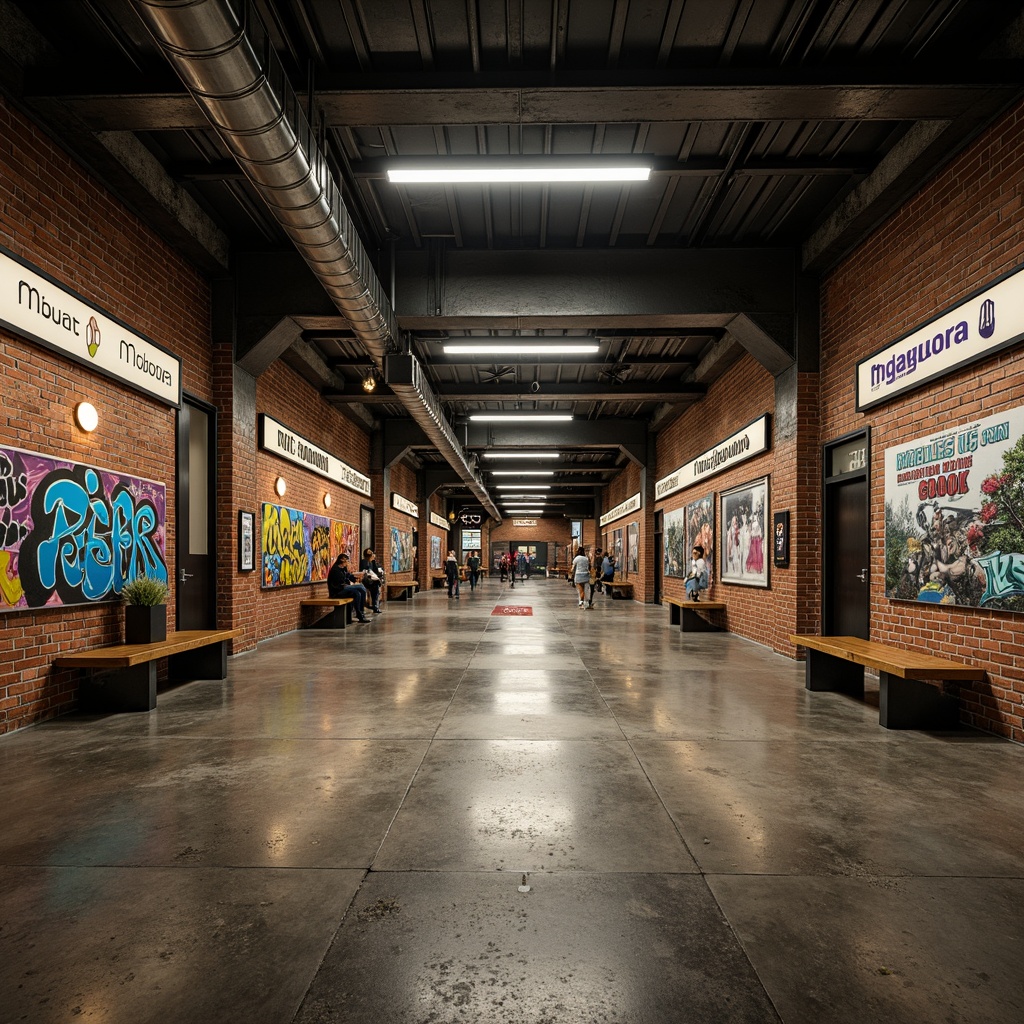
448 815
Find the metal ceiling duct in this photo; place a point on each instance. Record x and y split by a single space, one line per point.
250 102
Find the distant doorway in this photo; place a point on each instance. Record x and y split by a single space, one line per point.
195 556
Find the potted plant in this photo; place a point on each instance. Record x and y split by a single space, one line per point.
145 613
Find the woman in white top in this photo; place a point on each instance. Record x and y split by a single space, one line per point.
581 574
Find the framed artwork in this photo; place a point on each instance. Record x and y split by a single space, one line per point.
700 529
246 541
780 544
676 553
744 510
435 552
616 549
401 550
633 548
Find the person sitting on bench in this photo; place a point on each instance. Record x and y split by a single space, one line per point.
373 577
341 583
697 579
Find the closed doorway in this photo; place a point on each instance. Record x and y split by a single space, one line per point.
195 557
846 574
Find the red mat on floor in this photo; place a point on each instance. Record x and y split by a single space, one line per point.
512 609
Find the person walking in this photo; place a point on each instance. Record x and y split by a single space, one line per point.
473 565
597 565
451 575
581 577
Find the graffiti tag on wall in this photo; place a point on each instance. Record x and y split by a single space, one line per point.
296 546
73 534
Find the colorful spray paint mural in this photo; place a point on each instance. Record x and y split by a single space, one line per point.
73 534
401 550
296 546
954 515
344 538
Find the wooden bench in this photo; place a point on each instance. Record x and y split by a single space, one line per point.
620 590
689 615
340 615
911 690
401 591
122 677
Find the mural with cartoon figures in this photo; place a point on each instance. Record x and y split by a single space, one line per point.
74 534
401 550
954 515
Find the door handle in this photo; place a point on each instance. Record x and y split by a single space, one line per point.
182 575
863 577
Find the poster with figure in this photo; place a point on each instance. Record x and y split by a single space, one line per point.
296 546
700 529
344 539
74 534
954 515
632 549
744 511
401 550
616 550
677 554
435 552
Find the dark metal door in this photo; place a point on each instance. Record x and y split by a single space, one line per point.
196 539
847 571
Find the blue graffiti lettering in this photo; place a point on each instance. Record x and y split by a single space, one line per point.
1004 575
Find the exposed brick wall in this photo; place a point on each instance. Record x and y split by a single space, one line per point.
550 530
53 214
284 395
404 482
956 235
625 485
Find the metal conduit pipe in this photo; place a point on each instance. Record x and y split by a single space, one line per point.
253 107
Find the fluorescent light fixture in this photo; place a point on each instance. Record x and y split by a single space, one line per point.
522 472
537 170
523 487
521 417
521 348
521 455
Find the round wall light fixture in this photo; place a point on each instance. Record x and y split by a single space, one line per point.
327 500
86 416
280 486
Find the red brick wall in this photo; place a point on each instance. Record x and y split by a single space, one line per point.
552 530
955 236
284 395
404 482
62 221
625 485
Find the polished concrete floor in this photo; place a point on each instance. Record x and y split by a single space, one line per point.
563 816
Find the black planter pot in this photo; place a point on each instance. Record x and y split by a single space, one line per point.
145 624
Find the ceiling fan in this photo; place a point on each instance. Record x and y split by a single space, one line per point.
495 376
615 374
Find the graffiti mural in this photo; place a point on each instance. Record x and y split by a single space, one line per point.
954 515
401 550
73 534
296 546
344 538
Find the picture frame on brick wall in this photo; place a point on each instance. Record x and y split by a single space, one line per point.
780 540
744 511
246 541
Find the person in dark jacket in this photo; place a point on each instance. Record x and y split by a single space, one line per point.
341 583
473 565
451 575
372 577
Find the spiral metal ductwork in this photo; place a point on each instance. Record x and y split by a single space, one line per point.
249 101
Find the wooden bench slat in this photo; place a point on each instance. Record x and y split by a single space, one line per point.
883 658
698 606
129 655
326 602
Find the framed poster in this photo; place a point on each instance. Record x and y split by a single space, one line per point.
435 552
633 548
246 541
677 554
700 529
780 544
954 515
744 510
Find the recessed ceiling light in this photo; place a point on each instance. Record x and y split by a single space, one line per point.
521 417
521 348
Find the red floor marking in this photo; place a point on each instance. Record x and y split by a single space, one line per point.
513 609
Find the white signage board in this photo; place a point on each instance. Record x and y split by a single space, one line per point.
38 307
439 521
280 440
410 508
622 509
528 524
748 441
985 322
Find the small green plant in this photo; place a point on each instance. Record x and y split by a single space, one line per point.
145 591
